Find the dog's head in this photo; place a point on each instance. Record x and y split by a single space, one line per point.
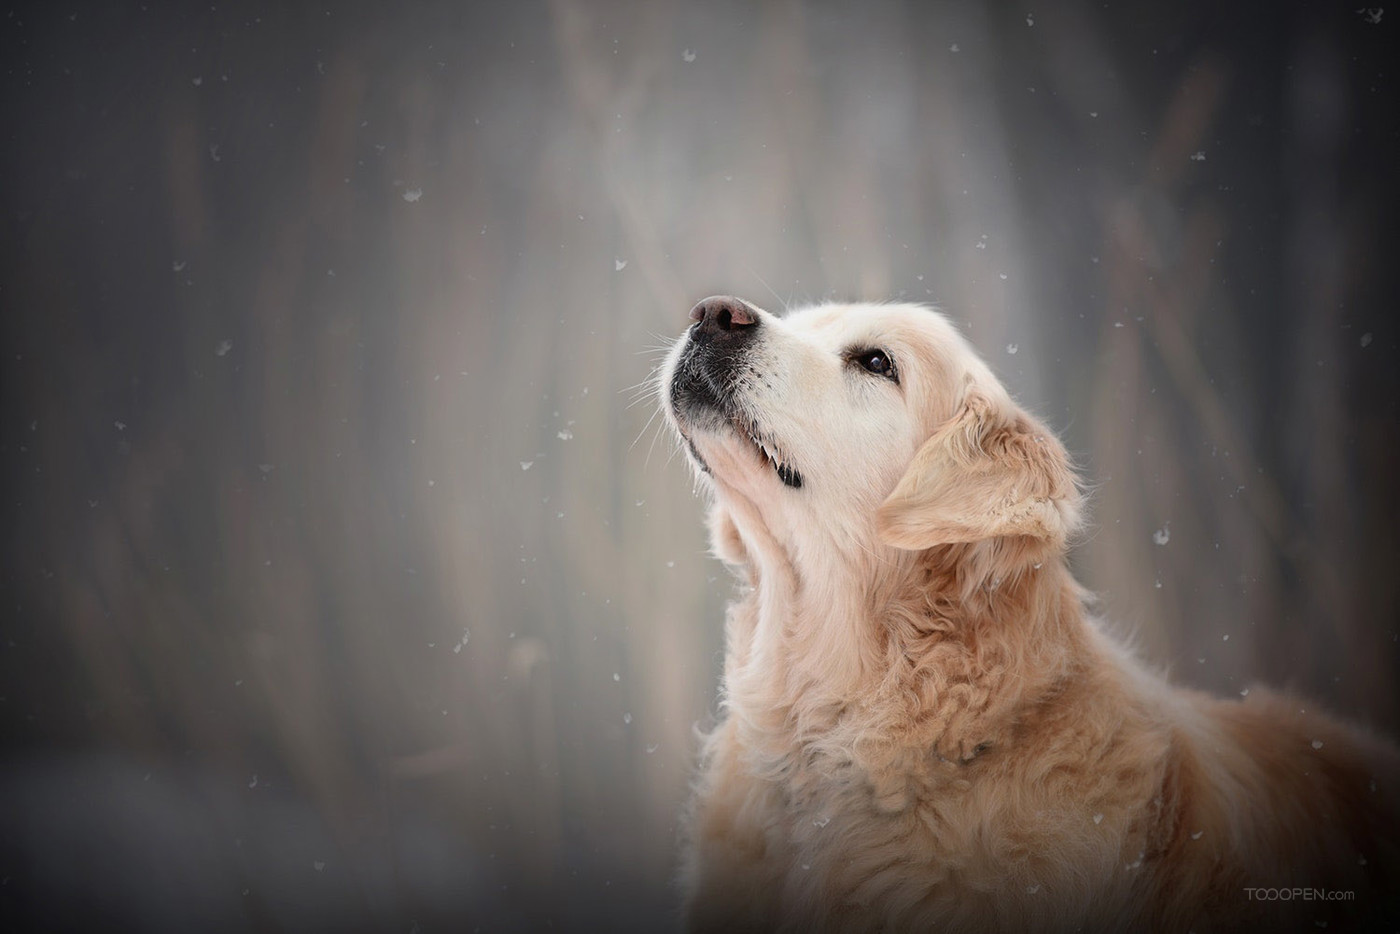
862 427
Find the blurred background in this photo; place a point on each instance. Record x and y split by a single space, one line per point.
348 583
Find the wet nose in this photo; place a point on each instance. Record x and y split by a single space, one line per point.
723 313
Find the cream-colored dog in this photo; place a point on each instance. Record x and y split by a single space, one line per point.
922 727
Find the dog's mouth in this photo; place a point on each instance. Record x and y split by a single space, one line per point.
698 404
768 449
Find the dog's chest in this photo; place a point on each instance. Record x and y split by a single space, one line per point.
938 849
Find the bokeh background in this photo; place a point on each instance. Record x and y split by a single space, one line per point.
348 583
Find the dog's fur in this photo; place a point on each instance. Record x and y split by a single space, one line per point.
923 729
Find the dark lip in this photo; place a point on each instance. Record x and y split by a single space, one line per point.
698 402
766 448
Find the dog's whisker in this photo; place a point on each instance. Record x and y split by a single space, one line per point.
652 418
776 297
652 446
645 395
650 381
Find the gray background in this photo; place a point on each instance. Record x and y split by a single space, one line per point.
347 584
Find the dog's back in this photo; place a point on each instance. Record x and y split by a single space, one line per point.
1283 814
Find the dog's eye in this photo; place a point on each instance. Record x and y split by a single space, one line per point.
877 362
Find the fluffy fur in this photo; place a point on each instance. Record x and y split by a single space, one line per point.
922 728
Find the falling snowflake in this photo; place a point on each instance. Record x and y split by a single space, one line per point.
619 265
688 55
1012 348
1162 535
223 347
1198 156
412 194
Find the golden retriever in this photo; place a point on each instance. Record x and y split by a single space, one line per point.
922 727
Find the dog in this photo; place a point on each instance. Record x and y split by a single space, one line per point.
922 727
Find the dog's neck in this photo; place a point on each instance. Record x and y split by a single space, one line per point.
806 603
824 646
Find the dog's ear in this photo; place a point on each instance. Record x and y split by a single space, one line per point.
991 472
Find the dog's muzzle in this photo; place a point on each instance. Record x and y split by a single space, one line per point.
702 387
704 383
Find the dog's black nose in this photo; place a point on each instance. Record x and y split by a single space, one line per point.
719 314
